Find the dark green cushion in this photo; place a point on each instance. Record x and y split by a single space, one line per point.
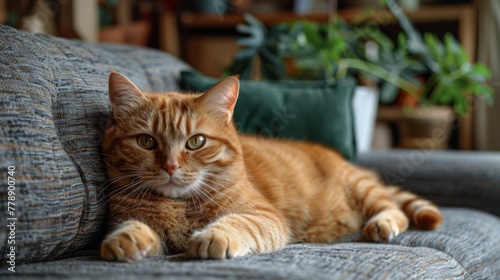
314 111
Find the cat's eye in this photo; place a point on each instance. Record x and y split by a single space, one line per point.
146 141
196 142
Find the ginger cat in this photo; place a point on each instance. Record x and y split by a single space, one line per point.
184 180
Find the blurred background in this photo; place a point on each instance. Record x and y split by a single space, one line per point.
203 34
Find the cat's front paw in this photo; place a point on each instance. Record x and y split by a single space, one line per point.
216 244
131 242
385 226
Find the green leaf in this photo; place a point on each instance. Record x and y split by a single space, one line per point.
243 67
416 44
450 51
435 63
435 48
272 67
458 51
481 70
483 91
402 43
311 32
255 30
245 54
388 93
461 107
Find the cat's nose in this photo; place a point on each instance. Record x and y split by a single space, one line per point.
170 168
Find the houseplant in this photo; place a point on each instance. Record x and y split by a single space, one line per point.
436 74
451 81
280 52
313 50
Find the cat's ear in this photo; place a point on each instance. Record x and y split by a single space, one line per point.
123 94
222 97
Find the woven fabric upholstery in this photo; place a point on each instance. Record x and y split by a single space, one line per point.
465 179
53 94
462 248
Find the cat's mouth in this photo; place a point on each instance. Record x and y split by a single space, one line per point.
175 182
173 187
171 181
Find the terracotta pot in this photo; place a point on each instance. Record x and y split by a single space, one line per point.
134 33
113 34
138 33
426 127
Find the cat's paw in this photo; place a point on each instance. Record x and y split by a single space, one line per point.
385 226
215 244
131 242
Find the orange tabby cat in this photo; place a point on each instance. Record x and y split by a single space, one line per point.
183 179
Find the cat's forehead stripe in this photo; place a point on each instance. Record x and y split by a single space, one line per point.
188 126
163 104
178 121
155 123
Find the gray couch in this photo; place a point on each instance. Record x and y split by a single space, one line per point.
53 96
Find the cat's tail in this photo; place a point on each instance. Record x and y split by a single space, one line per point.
423 213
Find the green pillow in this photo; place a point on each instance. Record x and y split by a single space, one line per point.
314 111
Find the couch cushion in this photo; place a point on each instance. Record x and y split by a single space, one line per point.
53 94
465 247
342 261
303 110
449 178
468 236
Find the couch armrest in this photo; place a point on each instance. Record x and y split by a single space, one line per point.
449 178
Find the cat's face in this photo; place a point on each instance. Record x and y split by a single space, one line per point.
173 144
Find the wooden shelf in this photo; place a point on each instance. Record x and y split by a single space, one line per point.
389 113
424 14
464 14
229 21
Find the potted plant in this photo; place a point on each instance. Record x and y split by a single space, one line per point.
307 50
311 50
325 51
450 83
435 74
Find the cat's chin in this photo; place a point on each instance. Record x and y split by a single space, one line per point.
172 190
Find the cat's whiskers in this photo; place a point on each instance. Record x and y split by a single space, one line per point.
206 179
196 192
201 198
112 181
124 194
104 154
135 203
194 196
234 186
145 190
127 191
119 178
207 183
199 191
216 193
221 208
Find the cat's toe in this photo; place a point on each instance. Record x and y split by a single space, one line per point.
385 226
380 231
214 244
130 244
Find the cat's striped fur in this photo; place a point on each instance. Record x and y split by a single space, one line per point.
235 194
